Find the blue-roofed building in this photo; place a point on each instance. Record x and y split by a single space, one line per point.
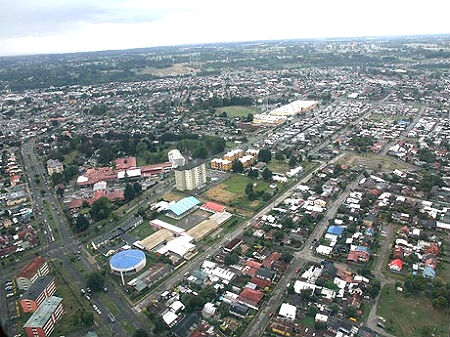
363 249
370 231
183 207
336 230
429 272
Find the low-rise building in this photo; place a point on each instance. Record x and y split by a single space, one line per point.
54 166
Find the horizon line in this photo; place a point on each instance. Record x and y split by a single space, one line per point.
227 42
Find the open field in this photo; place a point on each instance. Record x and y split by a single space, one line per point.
235 111
379 117
278 166
176 69
411 316
143 230
372 161
232 192
72 304
172 196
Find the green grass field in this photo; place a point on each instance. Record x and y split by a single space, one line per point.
237 184
411 316
278 166
235 111
143 230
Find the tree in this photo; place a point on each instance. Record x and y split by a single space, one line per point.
81 223
249 118
237 166
249 188
292 162
60 192
129 192
101 209
253 173
140 333
137 188
286 256
231 259
264 155
350 311
95 281
267 174
279 156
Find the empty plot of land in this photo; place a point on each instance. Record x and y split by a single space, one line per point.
236 111
176 69
372 161
411 316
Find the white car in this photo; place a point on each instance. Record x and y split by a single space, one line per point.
83 291
10 294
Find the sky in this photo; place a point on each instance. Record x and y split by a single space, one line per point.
59 26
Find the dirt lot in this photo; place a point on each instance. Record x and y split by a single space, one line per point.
373 161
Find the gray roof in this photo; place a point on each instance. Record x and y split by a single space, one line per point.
43 313
190 165
37 287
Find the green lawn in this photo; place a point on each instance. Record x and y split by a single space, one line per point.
278 166
237 183
143 230
411 316
106 300
236 111
72 304
70 157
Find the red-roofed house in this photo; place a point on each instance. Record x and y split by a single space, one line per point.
251 267
433 249
261 283
213 207
250 298
396 265
358 256
269 261
30 273
14 180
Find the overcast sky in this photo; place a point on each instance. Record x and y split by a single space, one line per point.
54 26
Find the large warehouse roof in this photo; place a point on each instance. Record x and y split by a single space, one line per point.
184 205
127 259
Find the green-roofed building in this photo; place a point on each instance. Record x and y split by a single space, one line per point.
43 320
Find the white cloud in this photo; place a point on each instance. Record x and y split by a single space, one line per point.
79 25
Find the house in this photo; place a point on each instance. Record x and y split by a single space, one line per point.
239 310
54 166
358 256
429 273
250 298
232 245
266 274
288 311
30 273
396 265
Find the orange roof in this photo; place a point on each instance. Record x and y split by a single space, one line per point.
31 268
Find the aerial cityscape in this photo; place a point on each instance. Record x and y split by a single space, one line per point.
281 187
